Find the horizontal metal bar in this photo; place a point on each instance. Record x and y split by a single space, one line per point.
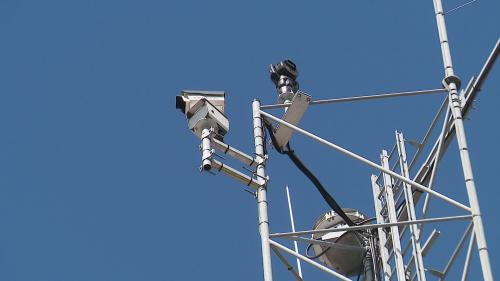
309 261
326 243
233 152
370 226
235 174
360 98
368 162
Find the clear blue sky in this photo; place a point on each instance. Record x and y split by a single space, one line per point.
99 175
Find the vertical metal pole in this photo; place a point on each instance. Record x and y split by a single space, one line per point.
206 151
410 207
382 237
296 247
391 212
455 106
258 132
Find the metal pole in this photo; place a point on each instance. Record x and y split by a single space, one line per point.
391 213
296 247
471 92
370 226
287 264
382 236
360 98
414 231
455 252
455 106
332 245
367 162
235 174
430 241
426 248
309 261
465 273
475 87
258 132
428 134
436 163
380 96
233 152
206 151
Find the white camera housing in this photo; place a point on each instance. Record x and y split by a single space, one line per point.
204 110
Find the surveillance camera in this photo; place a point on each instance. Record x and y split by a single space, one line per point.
188 99
284 76
204 110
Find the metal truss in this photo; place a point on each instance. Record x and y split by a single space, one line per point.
395 195
398 246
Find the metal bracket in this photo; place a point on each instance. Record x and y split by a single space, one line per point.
452 79
294 113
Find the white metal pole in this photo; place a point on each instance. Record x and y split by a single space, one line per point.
235 174
296 247
414 231
233 152
436 163
428 134
391 213
286 264
258 132
206 151
359 98
370 226
309 261
382 235
455 106
456 251
367 162
465 272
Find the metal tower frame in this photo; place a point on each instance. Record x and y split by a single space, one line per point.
399 246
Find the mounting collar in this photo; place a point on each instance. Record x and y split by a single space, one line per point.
452 79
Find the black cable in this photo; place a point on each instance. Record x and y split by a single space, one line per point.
269 128
362 265
264 139
300 165
365 221
316 256
326 196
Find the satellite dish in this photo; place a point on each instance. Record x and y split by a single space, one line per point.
346 254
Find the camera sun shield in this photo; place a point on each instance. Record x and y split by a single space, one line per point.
204 110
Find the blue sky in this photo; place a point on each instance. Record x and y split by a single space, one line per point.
99 174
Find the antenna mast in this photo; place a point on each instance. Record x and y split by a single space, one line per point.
452 83
345 242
